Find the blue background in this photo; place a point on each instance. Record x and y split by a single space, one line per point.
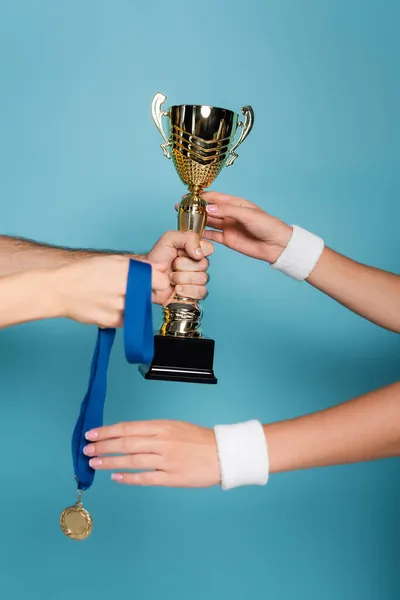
80 165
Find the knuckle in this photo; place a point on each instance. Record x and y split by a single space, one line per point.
125 428
126 445
165 430
169 426
163 433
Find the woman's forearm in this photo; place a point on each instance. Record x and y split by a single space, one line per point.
363 429
27 297
369 292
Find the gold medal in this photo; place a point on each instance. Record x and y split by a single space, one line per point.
75 521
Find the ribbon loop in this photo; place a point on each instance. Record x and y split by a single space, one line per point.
138 325
139 348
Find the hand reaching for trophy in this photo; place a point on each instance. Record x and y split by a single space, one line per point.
244 227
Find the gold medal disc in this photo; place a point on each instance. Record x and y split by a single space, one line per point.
76 522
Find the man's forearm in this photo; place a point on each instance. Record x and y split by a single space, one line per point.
27 297
369 292
18 255
363 429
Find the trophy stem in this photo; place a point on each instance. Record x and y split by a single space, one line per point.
182 316
195 190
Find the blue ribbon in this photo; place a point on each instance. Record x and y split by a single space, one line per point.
139 348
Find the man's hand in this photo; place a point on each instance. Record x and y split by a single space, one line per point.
244 227
179 259
170 453
93 290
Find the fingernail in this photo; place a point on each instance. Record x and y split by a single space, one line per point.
211 208
179 289
117 477
89 450
91 435
95 462
199 252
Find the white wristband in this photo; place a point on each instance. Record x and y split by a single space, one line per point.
300 256
243 454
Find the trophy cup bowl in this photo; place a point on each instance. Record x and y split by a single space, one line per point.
201 140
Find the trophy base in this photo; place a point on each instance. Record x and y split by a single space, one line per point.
181 359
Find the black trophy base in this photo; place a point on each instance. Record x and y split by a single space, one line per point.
181 359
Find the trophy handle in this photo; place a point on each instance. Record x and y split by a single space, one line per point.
246 127
158 113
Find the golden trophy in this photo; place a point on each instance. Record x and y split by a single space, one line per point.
201 140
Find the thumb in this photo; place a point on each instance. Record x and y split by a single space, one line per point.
188 241
242 214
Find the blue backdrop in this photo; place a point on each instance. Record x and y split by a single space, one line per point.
80 165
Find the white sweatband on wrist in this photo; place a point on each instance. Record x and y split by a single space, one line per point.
243 454
300 256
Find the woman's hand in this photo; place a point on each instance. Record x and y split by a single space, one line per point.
244 227
169 453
